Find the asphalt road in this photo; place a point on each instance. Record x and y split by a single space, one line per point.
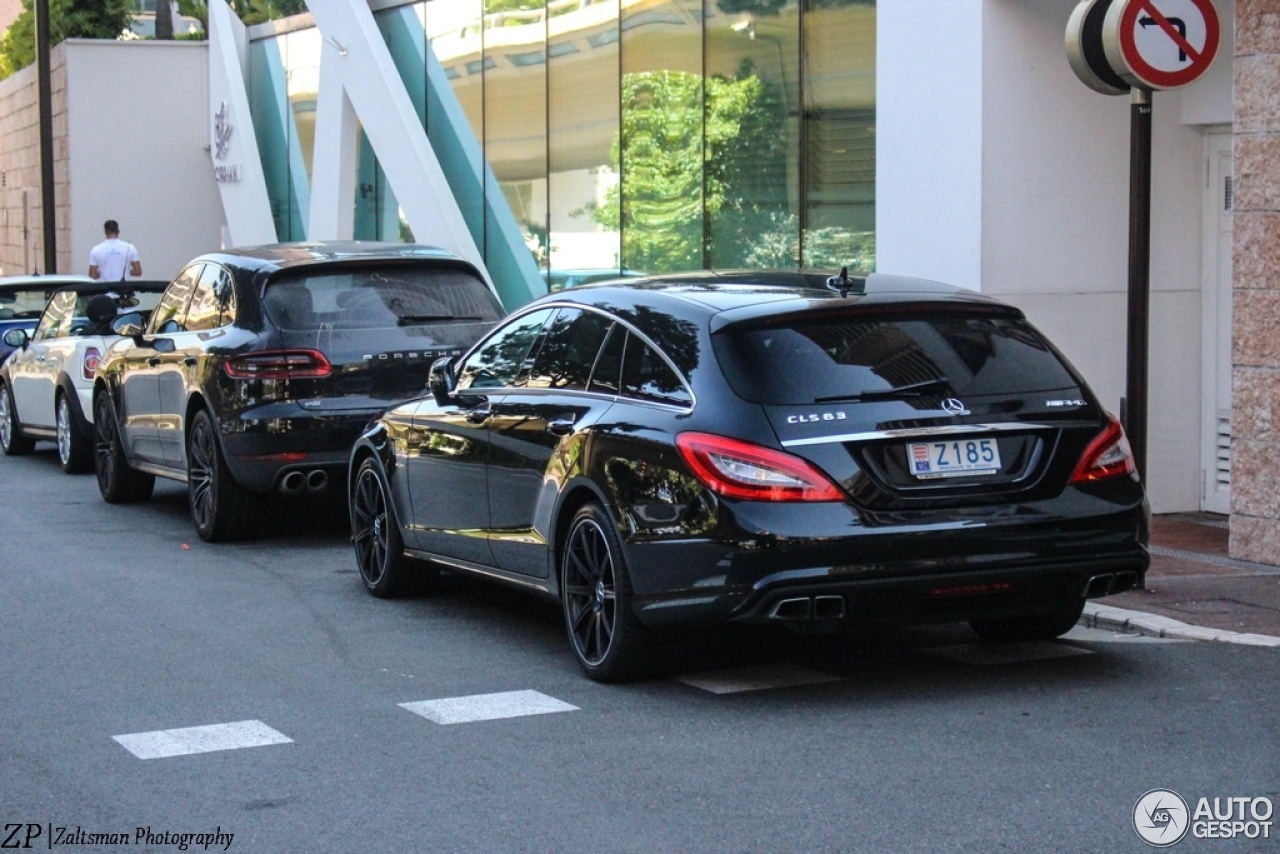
118 621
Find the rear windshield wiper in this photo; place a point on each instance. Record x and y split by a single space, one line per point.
433 318
911 390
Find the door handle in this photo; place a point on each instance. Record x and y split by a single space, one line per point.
480 414
153 361
560 426
189 361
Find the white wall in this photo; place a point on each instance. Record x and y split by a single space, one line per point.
929 139
1210 99
1048 200
1055 228
138 135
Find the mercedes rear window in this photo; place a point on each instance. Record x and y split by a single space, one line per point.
378 298
852 358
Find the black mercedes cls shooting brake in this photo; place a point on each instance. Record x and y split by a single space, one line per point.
259 368
683 451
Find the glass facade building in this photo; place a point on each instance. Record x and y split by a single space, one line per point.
582 137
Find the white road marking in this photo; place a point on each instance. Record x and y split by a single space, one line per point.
488 707
1081 633
758 678
200 739
1007 653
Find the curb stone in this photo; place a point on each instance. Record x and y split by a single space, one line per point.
1140 622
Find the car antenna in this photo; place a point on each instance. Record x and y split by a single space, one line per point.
844 284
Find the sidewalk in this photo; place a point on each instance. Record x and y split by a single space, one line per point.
1193 581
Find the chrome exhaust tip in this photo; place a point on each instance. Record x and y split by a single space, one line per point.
799 608
317 480
1099 586
828 607
292 482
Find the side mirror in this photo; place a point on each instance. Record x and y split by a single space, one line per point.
442 381
164 345
16 338
129 323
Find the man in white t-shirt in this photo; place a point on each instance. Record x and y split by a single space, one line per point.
114 260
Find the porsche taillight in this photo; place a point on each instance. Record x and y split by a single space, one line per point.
278 365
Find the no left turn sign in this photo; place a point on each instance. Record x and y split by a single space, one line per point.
1161 44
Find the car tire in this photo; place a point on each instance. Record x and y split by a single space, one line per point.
118 483
221 509
375 534
75 450
1045 626
607 638
12 442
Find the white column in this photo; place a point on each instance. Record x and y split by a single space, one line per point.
929 110
391 123
233 149
333 172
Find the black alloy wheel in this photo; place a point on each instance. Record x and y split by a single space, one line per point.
221 508
118 483
75 452
607 638
1032 627
375 534
12 442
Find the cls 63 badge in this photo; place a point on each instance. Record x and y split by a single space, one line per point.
817 416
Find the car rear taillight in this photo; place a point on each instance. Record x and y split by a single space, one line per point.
737 469
278 365
1108 455
92 356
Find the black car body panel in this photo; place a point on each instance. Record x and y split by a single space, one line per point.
488 479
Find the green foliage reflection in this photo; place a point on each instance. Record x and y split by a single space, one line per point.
676 170
709 156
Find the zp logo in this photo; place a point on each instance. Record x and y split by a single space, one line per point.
1160 817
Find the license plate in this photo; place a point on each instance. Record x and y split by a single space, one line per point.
956 458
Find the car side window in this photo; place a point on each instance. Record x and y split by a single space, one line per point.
213 303
170 313
608 368
56 320
500 360
647 376
572 342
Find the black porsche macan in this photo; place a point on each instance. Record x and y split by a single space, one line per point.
260 366
683 451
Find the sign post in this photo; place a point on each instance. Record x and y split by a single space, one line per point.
1141 46
1138 348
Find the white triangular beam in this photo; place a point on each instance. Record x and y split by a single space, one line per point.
333 169
241 182
387 115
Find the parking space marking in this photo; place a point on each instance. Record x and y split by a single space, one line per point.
762 677
1006 653
488 707
200 739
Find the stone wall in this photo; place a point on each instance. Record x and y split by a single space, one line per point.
1255 417
21 220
